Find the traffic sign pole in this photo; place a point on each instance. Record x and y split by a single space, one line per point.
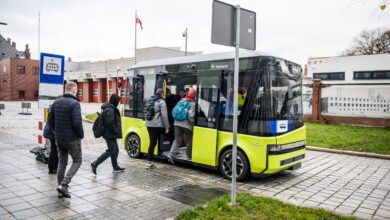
235 107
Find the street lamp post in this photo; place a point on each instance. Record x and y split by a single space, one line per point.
118 68
185 33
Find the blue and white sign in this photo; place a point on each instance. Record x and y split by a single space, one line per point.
51 78
279 126
51 69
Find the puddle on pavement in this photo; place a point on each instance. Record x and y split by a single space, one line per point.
193 194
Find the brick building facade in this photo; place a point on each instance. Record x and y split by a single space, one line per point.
19 79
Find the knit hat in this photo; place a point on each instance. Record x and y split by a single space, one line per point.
191 94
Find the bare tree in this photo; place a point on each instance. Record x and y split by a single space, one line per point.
375 41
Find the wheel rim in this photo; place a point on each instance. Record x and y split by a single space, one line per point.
132 146
227 165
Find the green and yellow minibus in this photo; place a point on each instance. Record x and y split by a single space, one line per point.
271 132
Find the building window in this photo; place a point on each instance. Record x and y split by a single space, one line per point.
35 70
21 69
36 93
371 74
95 92
330 76
79 92
22 94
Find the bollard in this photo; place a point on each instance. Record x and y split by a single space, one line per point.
40 136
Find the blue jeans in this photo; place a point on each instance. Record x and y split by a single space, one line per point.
64 149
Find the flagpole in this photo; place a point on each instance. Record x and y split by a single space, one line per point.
135 38
39 33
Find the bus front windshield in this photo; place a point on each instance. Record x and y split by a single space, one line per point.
274 102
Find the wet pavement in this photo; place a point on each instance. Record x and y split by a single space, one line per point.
345 184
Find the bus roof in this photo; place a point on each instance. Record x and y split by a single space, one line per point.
198 58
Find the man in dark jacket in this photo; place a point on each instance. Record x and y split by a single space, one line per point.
65 119
112 131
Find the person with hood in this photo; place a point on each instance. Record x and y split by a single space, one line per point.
159 124
184 127
112 132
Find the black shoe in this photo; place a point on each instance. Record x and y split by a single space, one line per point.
60 195
64 190
52 171
93 168
118 169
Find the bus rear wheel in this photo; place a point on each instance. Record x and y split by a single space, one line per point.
225 165
133 146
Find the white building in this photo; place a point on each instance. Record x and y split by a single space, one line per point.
357 86
113 68
96 81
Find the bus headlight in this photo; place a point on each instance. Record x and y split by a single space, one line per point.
285 148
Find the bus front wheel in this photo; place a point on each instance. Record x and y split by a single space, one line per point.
225 165
133 146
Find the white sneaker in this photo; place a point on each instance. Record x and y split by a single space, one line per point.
150 165
170 159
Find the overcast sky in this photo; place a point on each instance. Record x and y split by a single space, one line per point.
97 29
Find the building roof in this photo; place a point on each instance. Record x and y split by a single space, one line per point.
7 50
198 58
109 68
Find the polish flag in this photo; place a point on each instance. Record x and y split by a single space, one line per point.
138 21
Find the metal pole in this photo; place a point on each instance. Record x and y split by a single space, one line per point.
186 42
135 39
235 107
39 34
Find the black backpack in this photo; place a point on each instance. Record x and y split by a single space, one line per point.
98 125
149 112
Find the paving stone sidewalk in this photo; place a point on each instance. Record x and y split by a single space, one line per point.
345 184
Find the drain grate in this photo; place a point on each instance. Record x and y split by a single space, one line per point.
193 194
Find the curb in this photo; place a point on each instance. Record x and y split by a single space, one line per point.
353 153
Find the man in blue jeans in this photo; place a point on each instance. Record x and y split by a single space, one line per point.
65 119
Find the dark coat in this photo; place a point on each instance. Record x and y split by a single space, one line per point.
65 118
112 121
47 131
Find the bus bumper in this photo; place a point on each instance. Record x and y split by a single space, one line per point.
283 161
